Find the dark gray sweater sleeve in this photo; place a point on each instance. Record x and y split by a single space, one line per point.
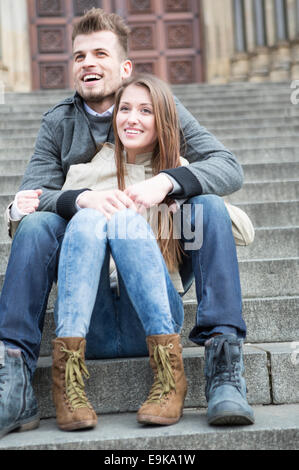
44 170
213 169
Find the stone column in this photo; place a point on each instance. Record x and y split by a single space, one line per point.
3 68
280 57
295 46
259 60
15 44
218 42
240 62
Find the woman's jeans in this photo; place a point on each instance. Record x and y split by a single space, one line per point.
147 304
119 320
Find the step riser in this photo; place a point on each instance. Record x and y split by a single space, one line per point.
109 395
267 320
263 192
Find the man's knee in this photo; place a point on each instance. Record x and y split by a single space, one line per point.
41 222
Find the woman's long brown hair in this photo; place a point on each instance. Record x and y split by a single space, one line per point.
166 153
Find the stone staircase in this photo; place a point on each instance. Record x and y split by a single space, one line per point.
258 123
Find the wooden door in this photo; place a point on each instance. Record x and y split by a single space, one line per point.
165 38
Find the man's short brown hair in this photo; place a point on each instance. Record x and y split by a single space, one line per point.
96 19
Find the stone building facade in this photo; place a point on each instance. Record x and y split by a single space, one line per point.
183 41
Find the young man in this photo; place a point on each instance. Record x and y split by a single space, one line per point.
69 134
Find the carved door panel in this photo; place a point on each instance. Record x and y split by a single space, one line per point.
165 38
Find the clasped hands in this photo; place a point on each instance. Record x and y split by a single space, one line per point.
138 197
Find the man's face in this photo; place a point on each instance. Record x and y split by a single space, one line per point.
99 68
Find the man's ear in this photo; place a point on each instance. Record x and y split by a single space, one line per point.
126 69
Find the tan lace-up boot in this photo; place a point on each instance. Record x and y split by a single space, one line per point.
165 402
73 410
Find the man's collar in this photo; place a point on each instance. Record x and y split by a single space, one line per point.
94 113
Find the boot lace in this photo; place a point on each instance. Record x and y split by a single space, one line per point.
164 379
224 368
74 384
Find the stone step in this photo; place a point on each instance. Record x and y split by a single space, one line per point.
265 278
268 319
236 123
269 154
110 380
269 171
271 372
272 243
272 214
254 132
266 191
259 277
276 428
20 124
242 113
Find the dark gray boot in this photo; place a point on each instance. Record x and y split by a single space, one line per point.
225 386
18 406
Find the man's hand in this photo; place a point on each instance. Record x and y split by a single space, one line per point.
150 192
107 202
28 201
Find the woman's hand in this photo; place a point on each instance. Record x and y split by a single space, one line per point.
150 192
107 202
28 201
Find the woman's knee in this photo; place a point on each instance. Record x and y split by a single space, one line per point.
128 224
88 221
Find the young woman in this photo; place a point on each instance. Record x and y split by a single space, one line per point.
119 315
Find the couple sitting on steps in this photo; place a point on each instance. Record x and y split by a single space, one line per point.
86 216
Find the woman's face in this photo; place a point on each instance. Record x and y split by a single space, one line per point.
135 121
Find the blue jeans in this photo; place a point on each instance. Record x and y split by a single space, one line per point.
32 269
147 304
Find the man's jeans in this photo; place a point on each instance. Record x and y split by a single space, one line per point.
33 265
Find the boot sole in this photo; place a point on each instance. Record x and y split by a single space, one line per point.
231 419
26 425
87 424
151 419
